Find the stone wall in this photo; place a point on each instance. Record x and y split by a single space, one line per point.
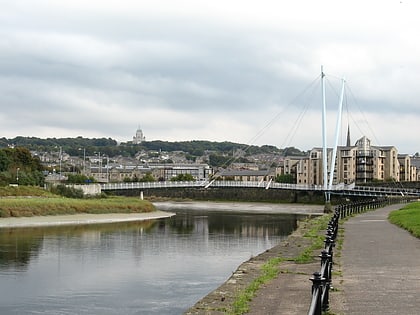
228 194
88 190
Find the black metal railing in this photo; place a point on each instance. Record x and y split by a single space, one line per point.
321 280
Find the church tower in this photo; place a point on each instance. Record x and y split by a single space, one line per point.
348 136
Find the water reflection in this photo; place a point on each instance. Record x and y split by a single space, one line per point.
153 267
19 245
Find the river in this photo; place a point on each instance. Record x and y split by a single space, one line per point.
152 267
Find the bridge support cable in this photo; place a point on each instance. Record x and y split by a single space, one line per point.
209 184
268 184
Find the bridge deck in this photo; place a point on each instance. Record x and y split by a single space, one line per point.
341 189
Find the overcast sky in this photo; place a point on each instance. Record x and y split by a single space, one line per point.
240 71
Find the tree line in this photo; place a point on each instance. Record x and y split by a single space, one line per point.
79 146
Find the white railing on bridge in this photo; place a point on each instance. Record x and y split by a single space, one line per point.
387 190
147 185
344 189
220 184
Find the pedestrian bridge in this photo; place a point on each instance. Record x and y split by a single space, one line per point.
340 189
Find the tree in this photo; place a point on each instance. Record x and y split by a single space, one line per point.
17 164
4 161
285 178
79 179
147 178
183 178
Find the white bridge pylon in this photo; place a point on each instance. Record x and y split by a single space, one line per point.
327 182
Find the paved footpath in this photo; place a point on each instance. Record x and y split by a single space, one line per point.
381 266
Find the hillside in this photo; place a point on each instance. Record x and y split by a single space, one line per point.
79 146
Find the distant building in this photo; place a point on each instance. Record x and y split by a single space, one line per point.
160 172
139 137
360 163
247 175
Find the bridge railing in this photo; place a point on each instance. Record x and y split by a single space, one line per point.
340 189
321 280
388 190
222 184
148 185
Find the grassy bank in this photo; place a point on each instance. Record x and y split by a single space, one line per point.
25 207
20 191
31 201
408 218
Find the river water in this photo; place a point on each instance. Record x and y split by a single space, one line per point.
152 267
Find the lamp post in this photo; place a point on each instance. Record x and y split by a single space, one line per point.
17 175
107 169
60 158
84 160
98 154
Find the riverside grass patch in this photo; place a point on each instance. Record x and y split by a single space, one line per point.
19 191
27 207
407 218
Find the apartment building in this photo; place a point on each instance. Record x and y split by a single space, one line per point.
361 163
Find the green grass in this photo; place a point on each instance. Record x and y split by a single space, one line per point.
316 235
408 218
27 201
270 270
8 191
38 206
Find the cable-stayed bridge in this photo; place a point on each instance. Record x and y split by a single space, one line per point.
341 189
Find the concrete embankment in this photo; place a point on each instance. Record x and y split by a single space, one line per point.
56 220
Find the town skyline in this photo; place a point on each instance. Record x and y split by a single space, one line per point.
245 72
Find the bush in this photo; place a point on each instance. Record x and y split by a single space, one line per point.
68 192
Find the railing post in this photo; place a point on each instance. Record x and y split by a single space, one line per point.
326 261
316 290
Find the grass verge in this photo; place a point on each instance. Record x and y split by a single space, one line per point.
408 218
269 271
315 234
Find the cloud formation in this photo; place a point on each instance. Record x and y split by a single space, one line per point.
214 70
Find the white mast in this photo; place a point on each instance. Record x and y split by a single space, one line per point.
324 134
337 131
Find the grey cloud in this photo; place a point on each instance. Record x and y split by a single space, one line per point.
85 67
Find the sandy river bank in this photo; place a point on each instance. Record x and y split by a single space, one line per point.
164 209
55 220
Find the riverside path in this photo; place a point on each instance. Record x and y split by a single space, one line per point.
380 266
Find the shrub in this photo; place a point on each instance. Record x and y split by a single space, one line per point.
68 192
